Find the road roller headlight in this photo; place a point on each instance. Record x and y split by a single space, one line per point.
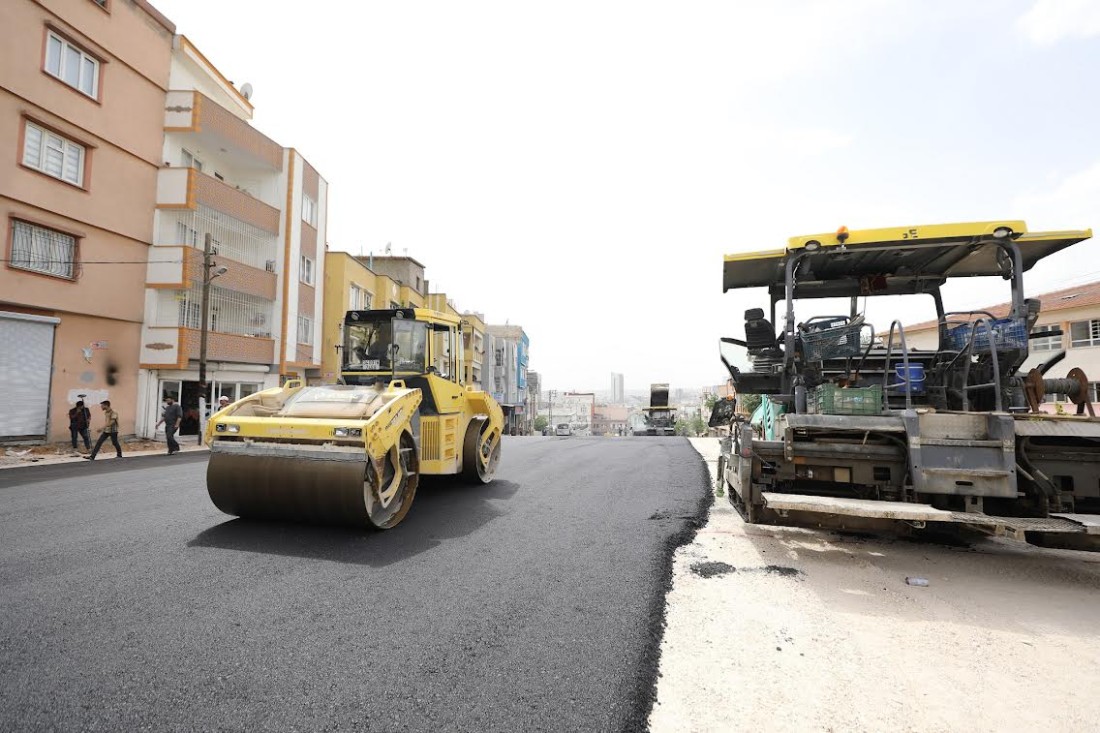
227 428
348 432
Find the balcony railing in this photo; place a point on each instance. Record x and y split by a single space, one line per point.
233 238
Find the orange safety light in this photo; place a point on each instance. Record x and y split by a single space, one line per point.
842 234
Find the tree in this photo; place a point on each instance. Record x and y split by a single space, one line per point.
749 402
709 402
541 423
698 425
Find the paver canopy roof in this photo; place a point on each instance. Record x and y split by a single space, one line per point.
894 260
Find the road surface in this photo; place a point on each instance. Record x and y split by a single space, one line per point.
128 602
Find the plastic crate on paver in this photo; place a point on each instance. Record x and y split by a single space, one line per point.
834 343
1008 333
830 399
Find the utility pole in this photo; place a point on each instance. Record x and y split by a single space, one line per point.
552 394
207 276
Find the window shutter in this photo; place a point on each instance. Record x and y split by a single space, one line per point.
73 168
55 155
32 150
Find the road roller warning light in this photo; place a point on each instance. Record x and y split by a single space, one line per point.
353 453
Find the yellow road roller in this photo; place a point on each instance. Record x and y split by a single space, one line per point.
353 453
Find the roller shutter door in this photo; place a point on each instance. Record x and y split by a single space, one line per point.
26 365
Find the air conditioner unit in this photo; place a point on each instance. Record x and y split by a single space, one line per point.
270 266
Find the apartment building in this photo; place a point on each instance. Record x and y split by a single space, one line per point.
611 420
510 349
82 89
534 390
1076 311
475 344
263 208
407 274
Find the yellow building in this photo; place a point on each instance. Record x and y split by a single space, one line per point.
349 285
473 343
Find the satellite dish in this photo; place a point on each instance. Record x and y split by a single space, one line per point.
246 90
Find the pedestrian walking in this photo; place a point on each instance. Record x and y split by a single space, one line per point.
172 417
80 418
223 402
110 430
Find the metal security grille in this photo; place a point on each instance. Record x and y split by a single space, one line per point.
26 362
230 311
232 238
42 250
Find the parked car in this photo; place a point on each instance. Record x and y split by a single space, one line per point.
563 429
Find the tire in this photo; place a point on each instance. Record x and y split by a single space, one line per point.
480 452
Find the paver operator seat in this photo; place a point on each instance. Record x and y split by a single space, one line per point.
760 341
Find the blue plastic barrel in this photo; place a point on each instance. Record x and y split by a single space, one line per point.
915 378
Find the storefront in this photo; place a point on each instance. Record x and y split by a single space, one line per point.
183 386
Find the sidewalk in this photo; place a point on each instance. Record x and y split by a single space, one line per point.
14 456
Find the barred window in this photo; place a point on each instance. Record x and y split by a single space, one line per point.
305 330
230 311
53 155
42 250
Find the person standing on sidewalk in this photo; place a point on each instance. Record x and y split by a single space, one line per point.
110 430
172 417
80 417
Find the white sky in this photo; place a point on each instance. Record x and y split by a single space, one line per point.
580 168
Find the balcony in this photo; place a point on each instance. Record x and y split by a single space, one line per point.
167 347
211 127
187 188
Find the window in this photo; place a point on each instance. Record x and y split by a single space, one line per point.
42 250
306 275
72 65
53 155
1084 333
358 299
309 211
1045 343
189 160
305 330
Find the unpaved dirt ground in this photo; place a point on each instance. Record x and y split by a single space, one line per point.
790 629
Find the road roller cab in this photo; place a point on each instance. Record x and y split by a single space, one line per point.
353 453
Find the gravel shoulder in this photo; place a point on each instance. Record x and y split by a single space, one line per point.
772 628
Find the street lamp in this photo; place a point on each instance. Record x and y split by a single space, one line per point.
207 276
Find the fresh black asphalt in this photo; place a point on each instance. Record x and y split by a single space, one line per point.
128 602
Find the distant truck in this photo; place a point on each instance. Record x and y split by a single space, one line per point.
563 430
660 419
